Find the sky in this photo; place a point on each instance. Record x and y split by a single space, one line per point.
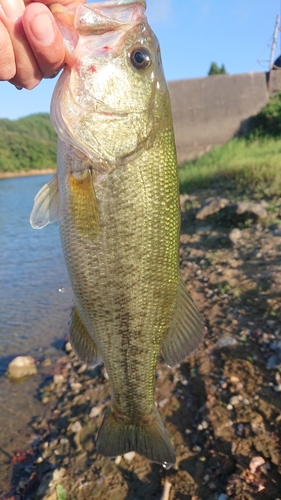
192 34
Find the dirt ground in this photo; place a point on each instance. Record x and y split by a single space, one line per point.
221 407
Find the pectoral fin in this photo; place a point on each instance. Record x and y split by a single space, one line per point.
46 205
186 330
81 341
84 205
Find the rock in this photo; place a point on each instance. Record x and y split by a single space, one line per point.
242 210
211 206
226 341
163 402
82 369
275 360
76 386
223 496
235 235
129 457
95 411
68 347
234 401
76 427
47 362
20 367
257 209
58 379
255 463
183 199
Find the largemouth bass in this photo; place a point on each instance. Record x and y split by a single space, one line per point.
116 200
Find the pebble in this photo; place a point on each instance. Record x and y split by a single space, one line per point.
64 441
163 402
129 457
118 460
255 463
68 347
58 379
76 386
240 430
212 485
197 449
202 426
76 427
82 369
20 367
47 362
223 496
225 342
234 401
235 235
95 411
229 407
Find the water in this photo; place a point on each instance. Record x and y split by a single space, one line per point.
33 309
35 305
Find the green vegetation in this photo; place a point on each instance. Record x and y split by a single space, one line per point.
215 70
27 143
251 162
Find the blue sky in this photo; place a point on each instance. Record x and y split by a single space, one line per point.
192 34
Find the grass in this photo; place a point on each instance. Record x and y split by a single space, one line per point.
250 163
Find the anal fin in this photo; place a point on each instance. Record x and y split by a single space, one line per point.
81 341
186 330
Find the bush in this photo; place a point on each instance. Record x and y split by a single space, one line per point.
267 123
27 143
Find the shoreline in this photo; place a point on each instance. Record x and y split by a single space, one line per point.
27 173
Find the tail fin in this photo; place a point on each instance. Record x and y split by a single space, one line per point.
147 439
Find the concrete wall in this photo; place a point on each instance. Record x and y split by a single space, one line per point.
209 111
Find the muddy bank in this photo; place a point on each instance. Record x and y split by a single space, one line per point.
222 407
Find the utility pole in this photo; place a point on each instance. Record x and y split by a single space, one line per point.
273 47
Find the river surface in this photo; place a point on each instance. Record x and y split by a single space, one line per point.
35 305
35 294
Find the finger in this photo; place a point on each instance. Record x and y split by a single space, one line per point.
7 58
65 3
28 74
44 38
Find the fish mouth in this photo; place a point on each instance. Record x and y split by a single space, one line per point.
102 17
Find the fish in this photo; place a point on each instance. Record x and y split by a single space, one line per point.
116 199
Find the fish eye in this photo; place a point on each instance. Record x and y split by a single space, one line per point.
141 58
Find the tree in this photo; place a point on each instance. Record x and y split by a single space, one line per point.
215 70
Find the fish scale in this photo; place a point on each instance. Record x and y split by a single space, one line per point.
116 199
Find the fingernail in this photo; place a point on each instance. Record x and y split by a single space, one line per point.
43 29
13 9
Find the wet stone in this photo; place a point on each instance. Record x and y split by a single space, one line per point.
21 367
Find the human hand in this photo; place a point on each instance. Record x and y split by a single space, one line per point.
31 45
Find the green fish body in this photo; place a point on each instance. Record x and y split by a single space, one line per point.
117 203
